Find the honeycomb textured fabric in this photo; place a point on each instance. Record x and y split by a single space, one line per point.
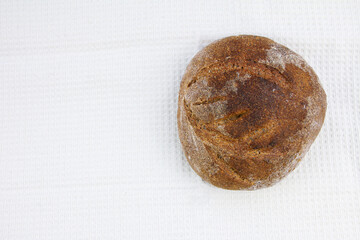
89 147
249 110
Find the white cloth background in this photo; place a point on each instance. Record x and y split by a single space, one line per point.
88 140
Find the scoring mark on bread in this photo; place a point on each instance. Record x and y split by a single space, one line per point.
233 116
221 162
210 111
195 78
210 100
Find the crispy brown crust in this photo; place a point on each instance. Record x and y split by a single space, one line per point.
248 111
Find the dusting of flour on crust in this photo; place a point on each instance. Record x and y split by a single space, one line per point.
278 57
196 148
231 85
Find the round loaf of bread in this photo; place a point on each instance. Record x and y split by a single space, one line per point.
249 109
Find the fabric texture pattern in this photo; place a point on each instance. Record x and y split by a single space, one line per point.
89 147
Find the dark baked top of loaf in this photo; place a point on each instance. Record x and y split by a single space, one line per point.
249 109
